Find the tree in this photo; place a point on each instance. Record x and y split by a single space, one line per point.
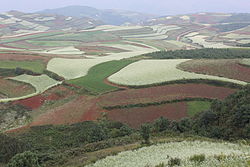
25 159
145 133
161 124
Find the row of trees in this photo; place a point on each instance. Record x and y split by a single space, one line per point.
207 53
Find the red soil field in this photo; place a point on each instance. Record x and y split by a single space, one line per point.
99 49
80 109
22 57
135 117
53 94
164 93
223 67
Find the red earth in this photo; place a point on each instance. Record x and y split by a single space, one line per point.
51 95
228 68
80 109
22 57
164 93
135 117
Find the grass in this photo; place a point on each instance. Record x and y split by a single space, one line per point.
35 66
195 107
94 80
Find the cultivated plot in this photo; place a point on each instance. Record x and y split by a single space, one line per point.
154 155
40 83
146 72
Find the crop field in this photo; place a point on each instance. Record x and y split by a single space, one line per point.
21 57
40 83
234 155
146 72
94 80
27 37
10 89
91 36
70 50
201 40
99 50
135 117
164 93
245 62
223 68
77 68
35 66
53 43
81 108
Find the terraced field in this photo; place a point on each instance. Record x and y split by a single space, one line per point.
164 93
77 68
223 68
146 72
35 66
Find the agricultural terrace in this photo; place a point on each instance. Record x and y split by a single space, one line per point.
53 43
233 155
136 116
40 83
10 89
164 93
28 37
77 68
35 66
88 36
70 50
94 80
228 68
147 72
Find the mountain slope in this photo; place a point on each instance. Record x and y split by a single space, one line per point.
110 16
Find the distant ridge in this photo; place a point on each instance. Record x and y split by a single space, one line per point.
108 16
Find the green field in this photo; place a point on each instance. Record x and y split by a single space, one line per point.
195 107
94 80
83 37
35 66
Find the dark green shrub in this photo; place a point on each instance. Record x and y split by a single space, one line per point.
198 158
160 165
161 124
145 133
174 162
26 159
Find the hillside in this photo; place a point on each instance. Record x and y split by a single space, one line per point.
15 22
109 16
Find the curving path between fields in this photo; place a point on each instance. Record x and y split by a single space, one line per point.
40 83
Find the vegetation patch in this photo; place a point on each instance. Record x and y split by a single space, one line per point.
207 53
35 66
94 80
196 107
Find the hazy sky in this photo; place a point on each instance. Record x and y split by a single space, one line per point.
161 7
